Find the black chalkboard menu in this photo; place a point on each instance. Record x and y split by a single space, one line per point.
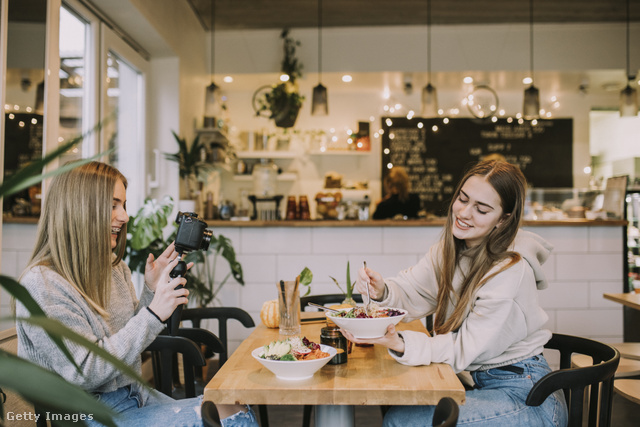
436 152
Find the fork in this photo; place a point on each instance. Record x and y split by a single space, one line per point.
364 264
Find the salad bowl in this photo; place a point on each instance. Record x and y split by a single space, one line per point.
294 369
374 327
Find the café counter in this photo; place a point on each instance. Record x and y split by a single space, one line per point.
587 261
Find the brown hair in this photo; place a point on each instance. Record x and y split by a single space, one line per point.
397 182
510 184
73 237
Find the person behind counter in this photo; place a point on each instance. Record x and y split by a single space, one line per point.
77 275
399 201
481 281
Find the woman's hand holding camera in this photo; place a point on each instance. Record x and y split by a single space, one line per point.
153 269
167 297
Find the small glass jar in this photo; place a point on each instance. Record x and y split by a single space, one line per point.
303 211
292 208
332 336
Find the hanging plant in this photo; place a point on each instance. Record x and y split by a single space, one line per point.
282 102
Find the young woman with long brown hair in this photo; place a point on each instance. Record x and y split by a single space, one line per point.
77 275
481 281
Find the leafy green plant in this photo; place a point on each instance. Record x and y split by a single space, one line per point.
283 100
192 168
146 237
34 383
145 231
348 290
201 278
306 277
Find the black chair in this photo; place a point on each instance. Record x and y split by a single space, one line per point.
325 299
210 345
223 315
573 381
210 417
164 350
446 413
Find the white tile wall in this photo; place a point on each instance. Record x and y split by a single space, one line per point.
585 263
17 243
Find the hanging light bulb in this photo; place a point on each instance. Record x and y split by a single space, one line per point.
628 95
628 102
319 100
213 95
429 93
531 104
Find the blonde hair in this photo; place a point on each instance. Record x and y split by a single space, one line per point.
397 182
510 184
73 237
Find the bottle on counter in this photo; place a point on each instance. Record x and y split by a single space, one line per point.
292 208
304 212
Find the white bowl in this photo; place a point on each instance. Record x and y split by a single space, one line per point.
366 328
294 370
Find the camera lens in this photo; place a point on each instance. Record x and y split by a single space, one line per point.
206 239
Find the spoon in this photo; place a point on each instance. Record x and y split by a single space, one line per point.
364 264
324 308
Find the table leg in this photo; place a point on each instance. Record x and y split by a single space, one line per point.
334 416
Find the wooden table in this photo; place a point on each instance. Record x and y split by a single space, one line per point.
630 350
630 299
370 377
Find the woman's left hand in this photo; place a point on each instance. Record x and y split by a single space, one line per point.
154 267
391 339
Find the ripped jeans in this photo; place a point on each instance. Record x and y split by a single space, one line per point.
162 410
498 400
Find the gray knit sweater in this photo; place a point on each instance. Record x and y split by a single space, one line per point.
125 334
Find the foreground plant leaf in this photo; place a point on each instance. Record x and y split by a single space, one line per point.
48 391
54 327
19 292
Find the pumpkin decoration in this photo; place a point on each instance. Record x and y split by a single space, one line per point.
270 314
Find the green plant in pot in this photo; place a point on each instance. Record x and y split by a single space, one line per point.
194 170
348 290
282 102
146 229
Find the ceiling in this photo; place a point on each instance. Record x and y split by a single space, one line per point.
270 14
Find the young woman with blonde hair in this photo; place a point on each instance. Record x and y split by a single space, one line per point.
481 281
77 275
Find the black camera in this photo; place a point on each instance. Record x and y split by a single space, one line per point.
192 234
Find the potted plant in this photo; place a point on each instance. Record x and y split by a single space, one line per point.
145 232
348 290
282 102
193 167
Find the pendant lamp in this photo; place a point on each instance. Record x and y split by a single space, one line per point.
429 93
213 95
319 101
629 95
531 105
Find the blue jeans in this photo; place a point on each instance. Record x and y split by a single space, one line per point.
498 400
162 410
